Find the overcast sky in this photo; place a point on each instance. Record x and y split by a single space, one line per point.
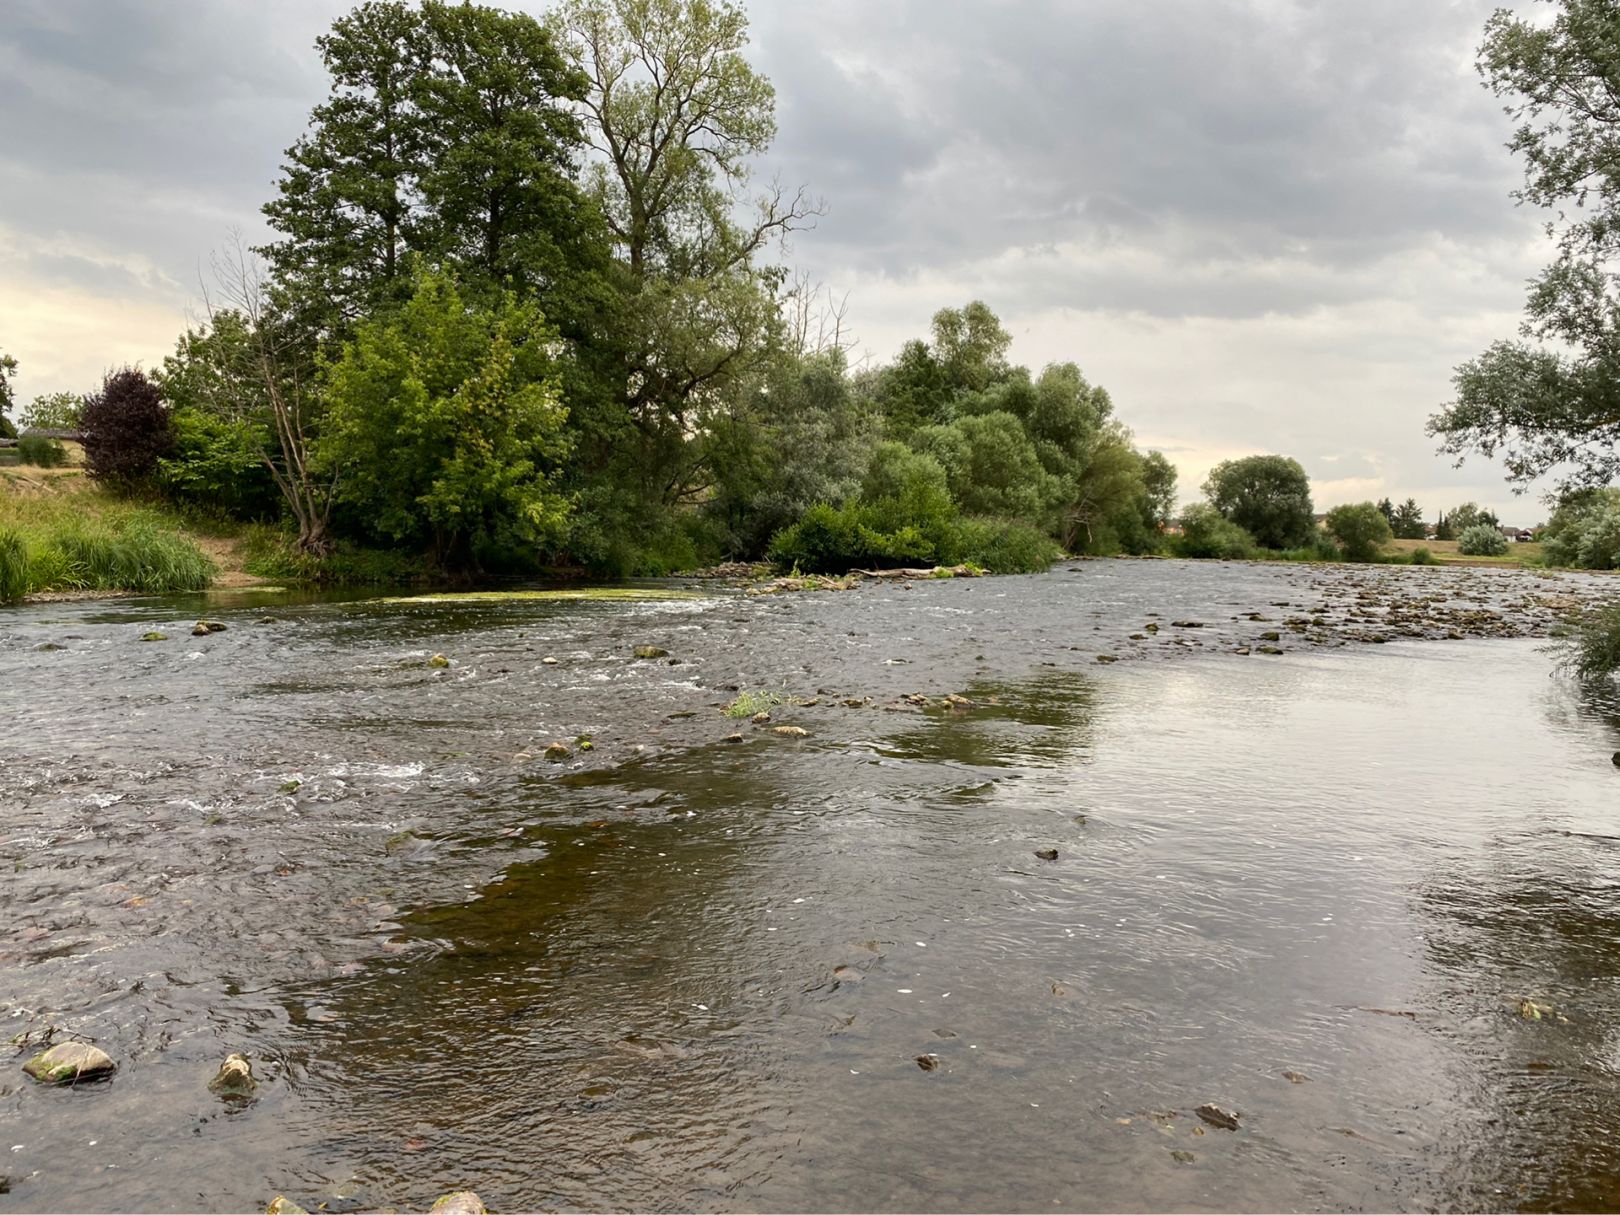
1263 225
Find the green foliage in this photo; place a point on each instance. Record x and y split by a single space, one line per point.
1268 496
273 552
218 464
1590 647
1422 556
834 540
1584 531
56 411
802 438
1158 490
41 452
14 578
907 487
1205 532
1360 529
1545 408
991 465
749 703
1468 515
1482 540
998 546
445 426
447 133
1406 521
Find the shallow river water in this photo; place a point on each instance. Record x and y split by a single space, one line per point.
826 972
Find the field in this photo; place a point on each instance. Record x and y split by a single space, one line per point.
1445 552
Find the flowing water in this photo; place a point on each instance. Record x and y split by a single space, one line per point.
811 973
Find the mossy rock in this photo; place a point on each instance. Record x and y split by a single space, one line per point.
204 627
651 651
154 636
438 662
557 752
68 1062
282 1205
462 1202
234 1078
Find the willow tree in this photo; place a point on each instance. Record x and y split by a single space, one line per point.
675 114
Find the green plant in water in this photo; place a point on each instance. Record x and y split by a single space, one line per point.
749 703
1589 647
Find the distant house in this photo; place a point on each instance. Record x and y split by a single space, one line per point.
72 441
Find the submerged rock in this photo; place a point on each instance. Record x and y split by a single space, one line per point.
438 661
1047 854
68 1062
557 752
928 1062
204 627
462 1202
792 731
234 1078
282 1205
651 651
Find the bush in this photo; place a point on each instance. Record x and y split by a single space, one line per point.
1205 532
1422 556
14 579
834 540
1482 540
1360 528
1590 648
216 463
999 546
126 429
41 452
272 552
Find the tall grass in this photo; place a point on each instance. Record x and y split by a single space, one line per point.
13 565
84 540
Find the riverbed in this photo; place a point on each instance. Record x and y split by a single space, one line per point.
1334 852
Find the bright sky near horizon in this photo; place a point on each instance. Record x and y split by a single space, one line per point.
1263 225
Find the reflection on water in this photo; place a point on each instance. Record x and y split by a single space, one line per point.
1312 891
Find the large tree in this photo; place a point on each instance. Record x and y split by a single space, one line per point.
1549 402
449 132
1267 496
675 115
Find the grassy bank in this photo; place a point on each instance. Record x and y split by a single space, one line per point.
57 533
1518 556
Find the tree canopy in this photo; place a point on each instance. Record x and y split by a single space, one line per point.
1549 401
1268 496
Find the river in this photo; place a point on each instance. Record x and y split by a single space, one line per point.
831 971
